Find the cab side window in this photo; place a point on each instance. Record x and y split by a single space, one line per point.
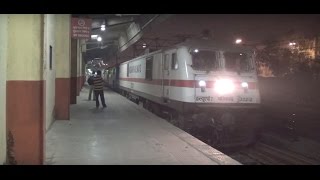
174 61
149 68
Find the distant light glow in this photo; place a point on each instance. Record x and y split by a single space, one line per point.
238 41
292 44
99 38
144 45
196 50
103 27
240 54
94 36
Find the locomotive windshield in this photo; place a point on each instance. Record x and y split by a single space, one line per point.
236 61
204 60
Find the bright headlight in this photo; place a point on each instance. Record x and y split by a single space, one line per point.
224 86
202 83
244 85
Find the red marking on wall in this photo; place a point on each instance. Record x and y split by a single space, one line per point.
62 99
25 120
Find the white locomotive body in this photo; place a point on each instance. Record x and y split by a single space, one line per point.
193 77
196 72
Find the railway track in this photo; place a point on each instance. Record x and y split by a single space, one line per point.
261 152
265 154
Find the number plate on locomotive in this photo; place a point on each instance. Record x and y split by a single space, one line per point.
245 99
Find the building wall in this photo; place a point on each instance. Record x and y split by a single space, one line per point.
27 84
3 80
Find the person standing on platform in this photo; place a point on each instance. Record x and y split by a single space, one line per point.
90 82
98 89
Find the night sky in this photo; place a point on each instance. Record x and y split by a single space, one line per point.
250 27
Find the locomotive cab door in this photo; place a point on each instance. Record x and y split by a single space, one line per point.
166 76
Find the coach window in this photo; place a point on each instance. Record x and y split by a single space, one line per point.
174 61
149 64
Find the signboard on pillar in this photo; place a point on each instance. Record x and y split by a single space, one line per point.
81 28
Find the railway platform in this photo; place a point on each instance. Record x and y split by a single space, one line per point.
123 134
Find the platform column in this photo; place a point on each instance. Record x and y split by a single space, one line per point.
63 67
25 98
74 69
3 84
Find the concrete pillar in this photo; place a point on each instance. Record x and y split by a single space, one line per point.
83 69
74 68
49 66
3 80
63 67
83 63
25 98
78 66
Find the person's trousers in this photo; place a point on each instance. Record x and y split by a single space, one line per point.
90 93
97 94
